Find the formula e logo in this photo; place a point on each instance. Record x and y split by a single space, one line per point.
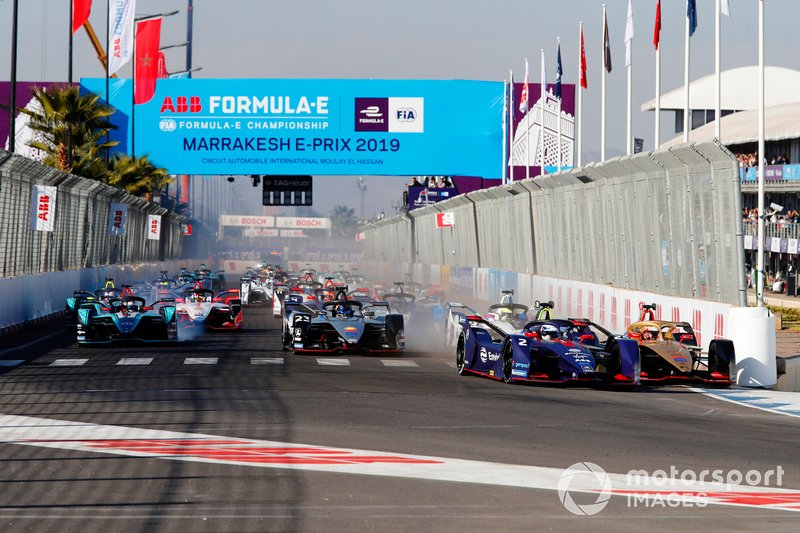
406 114
372 111
484 355
371 114
181 104
167 125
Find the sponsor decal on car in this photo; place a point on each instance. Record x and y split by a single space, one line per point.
520 373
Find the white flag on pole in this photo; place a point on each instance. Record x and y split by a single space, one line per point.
725 8
117 218
628 35
120 32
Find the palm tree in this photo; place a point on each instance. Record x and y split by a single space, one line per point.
74 127
137 176
343 221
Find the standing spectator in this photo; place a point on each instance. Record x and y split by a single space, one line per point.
415 182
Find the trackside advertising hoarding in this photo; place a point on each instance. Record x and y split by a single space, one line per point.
321 126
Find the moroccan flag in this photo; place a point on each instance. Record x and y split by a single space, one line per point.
80 13
148 41
606 48
162 65
657 27
584 79
523 100
691 12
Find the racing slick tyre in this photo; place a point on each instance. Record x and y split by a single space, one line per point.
286 339
461 364
508 365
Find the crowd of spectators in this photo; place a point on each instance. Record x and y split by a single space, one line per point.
432 182
751 160
792 216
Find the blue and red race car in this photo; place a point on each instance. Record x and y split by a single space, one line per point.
546 351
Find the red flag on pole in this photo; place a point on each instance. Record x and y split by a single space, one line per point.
584 79
148 40
657 28
162 65
80 13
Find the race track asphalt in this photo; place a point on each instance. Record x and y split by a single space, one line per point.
243 386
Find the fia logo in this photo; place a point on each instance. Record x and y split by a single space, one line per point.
406 114
167 125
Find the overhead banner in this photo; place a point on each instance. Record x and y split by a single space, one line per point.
43 207
154 227
302 222
247 221
323 127
117 218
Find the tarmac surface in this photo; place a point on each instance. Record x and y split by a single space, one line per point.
227 432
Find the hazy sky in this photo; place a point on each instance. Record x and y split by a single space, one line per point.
422 39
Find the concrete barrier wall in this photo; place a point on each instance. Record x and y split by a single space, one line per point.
613 308
27 298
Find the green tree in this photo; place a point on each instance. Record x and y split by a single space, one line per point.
137 176
74 128
343 221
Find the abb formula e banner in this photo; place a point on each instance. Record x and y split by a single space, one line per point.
319 126
117 218
43 207
154 227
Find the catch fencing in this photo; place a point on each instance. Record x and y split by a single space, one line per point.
80 236
667 222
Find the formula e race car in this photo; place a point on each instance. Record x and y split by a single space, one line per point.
669 352
546 351
126 319
342 326
75 302
255 290
199 307
452 327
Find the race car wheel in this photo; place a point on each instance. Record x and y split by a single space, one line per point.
508 364
285 339
461 364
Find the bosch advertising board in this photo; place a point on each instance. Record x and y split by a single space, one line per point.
322 126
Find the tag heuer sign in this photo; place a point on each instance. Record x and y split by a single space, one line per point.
287 190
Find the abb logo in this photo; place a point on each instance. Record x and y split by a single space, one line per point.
118 219
182 104
154 226
44 208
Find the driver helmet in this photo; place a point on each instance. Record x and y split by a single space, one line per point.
549 333
132 306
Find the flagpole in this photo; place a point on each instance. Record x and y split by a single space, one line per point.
657 138
108 60
133 93
718 72
560 157
542 101
69 63
761 154
629 66
686 111
603 92
579 106
504 178
527 128
511 114
12 104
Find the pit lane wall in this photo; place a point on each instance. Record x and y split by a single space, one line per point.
666 222
40 298
77 216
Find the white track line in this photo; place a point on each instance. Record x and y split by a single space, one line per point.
195 447
135 361
69 362
398 362
266 360
333 362
201 361
777 402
